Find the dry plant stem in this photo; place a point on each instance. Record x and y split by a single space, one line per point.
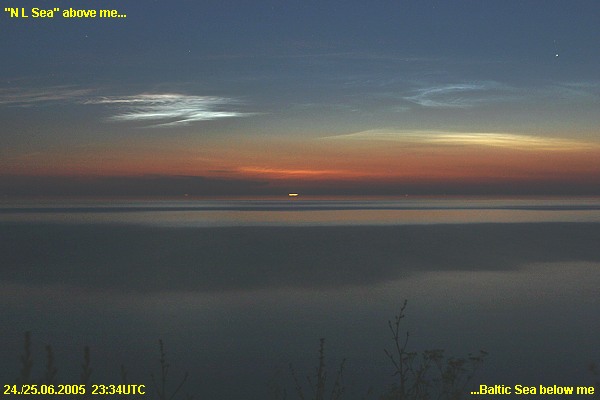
86 370
124 379
26 362
401 364
429 375
593 368
298 387
161 389
318 388
51 370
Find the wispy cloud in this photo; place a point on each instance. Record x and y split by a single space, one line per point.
441 138
573 91
27 97
157 109
170 109
458 95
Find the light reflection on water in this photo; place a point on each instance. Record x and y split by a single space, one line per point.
207 213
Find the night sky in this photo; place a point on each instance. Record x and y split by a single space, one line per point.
262 98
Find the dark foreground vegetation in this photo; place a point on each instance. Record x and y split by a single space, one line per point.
426 375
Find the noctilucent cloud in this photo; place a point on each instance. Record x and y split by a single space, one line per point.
350 97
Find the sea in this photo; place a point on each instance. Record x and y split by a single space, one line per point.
240 292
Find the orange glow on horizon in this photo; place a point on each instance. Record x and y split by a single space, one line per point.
469 158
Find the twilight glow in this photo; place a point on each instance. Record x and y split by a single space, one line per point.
357 99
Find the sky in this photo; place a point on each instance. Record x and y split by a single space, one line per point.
265 98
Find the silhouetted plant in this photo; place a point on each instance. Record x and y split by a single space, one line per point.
161 386
86 370
276 390
318 386
124 380
51 370
26 362
50 374
429 375
593 367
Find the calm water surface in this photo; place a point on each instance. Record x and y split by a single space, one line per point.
202 213
239 289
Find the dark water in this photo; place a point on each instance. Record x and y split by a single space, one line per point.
238 290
